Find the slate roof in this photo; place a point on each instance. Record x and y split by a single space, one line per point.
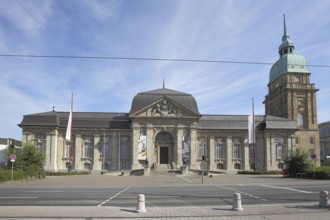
121 121
79 120
240 122
144 99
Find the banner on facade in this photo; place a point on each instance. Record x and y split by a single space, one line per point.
142 148
251 129
185 149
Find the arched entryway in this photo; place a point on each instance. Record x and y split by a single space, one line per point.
164 148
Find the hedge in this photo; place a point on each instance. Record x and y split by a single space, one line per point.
259 172
48 173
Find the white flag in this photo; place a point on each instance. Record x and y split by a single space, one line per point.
68 129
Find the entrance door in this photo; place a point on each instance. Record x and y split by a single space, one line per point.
163 155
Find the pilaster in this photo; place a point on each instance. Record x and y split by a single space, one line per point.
193 146
97 163
78 153
179 144
135 141
114 151
150 144
211 154
229 156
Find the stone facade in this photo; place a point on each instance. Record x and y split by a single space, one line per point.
164 129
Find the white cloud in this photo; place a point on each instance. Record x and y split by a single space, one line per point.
211 30
28 16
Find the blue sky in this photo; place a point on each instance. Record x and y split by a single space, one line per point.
249 30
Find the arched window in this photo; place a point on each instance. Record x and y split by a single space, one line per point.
220 166
237 166
280 166
164 137
252 166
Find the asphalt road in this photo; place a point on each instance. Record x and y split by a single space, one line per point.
168 191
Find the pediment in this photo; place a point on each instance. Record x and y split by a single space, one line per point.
164 108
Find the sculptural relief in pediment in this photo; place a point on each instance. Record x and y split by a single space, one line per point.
164 108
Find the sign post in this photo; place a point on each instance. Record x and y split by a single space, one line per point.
313 157
12 160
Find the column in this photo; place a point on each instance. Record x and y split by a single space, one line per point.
97 160
211 154
77 153
178 150
150 144
229 154
193 148
135 141
114 150
48 151
54 150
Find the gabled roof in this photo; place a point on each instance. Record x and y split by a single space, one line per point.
144 99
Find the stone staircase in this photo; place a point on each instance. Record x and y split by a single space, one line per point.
163 170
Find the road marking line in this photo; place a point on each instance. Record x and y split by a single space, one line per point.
18 197
279 187
112 197
43 191
184 179
256 197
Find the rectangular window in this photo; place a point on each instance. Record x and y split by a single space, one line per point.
220 148
279 150
201 147
124 154
106 151
311 140
88 147
237 148
251 151
295 140
40 141
106 148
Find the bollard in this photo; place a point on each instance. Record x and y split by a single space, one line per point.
141 207
237 202
324 198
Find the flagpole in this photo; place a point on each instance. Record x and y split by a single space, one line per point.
71 127
253 135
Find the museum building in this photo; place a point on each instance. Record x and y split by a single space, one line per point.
165 130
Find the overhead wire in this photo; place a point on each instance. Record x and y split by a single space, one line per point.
147 59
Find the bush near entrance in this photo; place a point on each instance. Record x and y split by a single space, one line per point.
298 161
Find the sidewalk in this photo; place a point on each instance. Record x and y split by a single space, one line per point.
273 212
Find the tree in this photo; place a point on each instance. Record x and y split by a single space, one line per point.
298 161
30 160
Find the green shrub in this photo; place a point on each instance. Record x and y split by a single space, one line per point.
319 173
5 175
298 161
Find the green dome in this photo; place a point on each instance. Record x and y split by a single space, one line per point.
289 62
293 63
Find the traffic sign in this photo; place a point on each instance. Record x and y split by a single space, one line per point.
12 157
313 156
